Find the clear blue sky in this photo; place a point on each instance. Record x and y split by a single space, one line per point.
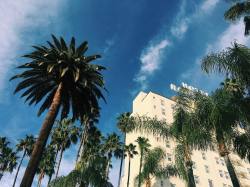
145 45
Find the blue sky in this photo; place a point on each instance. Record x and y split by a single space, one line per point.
145 45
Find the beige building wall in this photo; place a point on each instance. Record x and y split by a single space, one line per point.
208 166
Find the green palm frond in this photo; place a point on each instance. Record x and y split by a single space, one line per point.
153 126
66 65
237 10
242 145
179 161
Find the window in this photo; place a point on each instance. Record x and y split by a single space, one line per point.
163 111
206 169
169 157
210 183
157 139
217 160
161 183
154 107
224 185
221 173
248 169
226 175
229 186
203 156
222 162
196 179
162 102
153 97
172 185
168 144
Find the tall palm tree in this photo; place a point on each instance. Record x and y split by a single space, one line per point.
112 147
130 151
63 77
222 116
144 145
8 158
238 10
63 135
88 121
47 164
184 131
125 123
25 145
153 167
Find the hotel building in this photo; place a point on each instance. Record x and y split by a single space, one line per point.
209 168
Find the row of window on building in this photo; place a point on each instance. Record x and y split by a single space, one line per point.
210 182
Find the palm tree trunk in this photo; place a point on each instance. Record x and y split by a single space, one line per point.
50 177
1 175
42 140
59 163
79 149
24 153
190 174
83 139
107 170
121 164
231 171
189 164
224 153
57 150
139 183
128 172
40 179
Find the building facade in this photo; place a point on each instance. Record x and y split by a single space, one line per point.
209 168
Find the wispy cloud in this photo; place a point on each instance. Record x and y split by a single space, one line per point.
152 55
17 17
194 75
235 32
209 5
183 20
150 60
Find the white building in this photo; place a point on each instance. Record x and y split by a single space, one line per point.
209 168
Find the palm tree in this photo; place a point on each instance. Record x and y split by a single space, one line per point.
63 135
234 63
63 78
185 131
8 158
144 148
112 147
47 164
25 145
222 116
238 10
88 121
125 124
130 151
152 167
91 167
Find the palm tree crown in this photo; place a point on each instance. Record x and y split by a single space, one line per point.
63 79
63 65
238 10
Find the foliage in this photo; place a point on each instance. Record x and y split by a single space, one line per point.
152 166
8 158
62 64
238 10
